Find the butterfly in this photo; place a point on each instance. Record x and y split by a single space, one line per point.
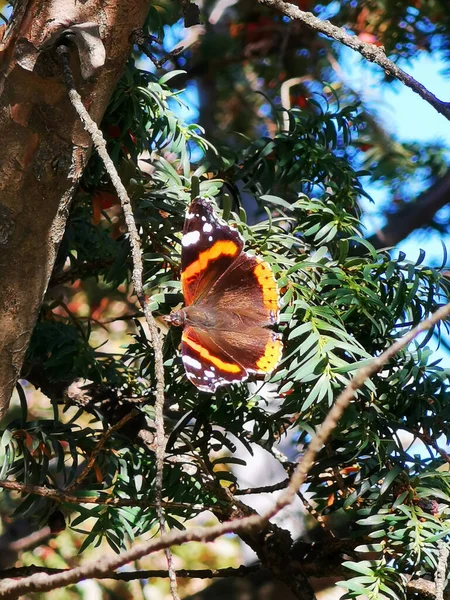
231 298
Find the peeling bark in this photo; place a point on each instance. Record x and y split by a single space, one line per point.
44 149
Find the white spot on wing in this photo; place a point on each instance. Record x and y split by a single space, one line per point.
207 227
190 238
210 239
195 364
209 374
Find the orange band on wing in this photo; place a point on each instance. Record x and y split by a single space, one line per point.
271 357
228 248
228 367
268 284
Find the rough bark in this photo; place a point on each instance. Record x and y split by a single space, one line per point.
44 150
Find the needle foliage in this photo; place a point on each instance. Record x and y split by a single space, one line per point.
341 303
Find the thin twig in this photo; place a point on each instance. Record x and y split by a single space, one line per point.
57 495
285 96
125 317
440 578
337 474
98 447
36 538
428 441
137 274
371 52
265 489
316 515
80 271
159 63
107 564
241 571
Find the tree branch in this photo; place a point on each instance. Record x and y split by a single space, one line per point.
265 489
371 52
241 571
107 564
315 569
16 538
413 215
60 496
137 278
441 570
270 542
428 441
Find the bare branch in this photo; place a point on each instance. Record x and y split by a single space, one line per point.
265 489
371 52
241 571
137 275
428 441
107 564
441 570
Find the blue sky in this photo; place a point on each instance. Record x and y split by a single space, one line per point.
409 118
415 119
402 111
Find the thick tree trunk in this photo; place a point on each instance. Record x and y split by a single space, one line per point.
44 150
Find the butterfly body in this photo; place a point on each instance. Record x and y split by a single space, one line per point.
231 298
209 318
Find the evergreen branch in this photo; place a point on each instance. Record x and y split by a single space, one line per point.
60 496
106 564
95 452
269 542
369 51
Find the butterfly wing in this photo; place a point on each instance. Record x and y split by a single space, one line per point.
207 365
209 247
219 357
247 288
240 293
